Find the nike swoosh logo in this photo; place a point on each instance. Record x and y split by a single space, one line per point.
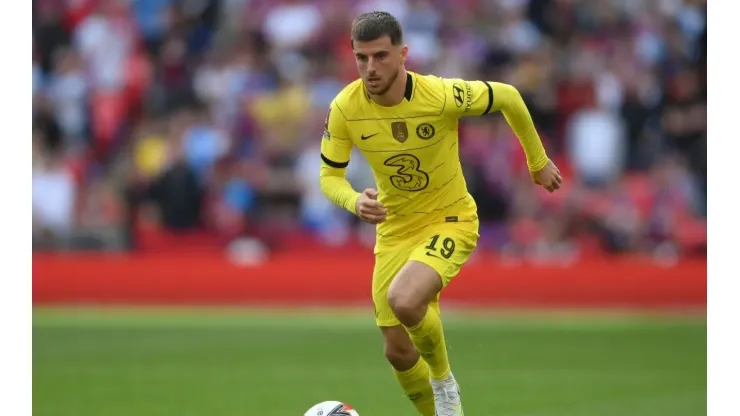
363 137
433 255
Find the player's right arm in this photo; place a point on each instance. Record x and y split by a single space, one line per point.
336 148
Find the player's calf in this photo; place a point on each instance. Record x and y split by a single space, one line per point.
399 350
411 371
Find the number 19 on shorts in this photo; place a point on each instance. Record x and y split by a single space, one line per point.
445 249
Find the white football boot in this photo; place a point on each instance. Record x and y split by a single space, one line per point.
447 397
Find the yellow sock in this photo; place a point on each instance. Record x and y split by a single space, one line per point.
415 382
429 340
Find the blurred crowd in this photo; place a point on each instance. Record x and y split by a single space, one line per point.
201 120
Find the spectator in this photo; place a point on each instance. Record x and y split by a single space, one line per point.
53 195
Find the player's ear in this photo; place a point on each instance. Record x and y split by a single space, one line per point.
404 53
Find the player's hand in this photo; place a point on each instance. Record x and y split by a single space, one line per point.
548 177
369 209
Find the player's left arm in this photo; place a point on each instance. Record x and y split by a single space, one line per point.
476 98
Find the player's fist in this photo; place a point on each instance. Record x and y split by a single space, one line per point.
548 177
369 209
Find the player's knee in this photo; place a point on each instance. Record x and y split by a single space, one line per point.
407 307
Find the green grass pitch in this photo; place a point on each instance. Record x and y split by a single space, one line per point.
148 362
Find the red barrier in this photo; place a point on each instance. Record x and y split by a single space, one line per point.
331 279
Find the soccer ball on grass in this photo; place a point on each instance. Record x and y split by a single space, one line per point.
331 408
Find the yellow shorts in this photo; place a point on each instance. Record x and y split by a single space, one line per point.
444 247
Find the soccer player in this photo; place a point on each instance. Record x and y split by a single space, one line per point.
406 125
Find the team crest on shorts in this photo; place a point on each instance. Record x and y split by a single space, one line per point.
400 131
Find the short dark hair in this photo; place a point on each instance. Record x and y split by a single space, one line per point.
374 25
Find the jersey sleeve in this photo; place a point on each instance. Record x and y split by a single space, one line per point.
336 146
478 98
467 98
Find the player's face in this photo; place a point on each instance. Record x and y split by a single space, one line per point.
378 63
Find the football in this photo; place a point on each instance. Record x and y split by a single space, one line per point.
331 408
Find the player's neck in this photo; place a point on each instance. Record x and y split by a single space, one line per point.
395 94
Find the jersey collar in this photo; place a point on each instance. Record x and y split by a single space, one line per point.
409 86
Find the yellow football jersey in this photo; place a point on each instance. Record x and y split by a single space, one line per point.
412 148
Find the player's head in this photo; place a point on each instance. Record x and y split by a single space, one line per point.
377 41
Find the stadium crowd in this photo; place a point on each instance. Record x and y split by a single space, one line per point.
204 118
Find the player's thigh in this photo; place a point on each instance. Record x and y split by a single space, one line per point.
446 248
388 262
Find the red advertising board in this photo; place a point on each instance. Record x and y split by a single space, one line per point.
313 279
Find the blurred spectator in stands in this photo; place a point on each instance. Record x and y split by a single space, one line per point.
67 93
49 32
596 146
203 143
595 136
53 195
492 156
172 77
230 201
105 39
684 118
618 215
555 245
153 18
176 189
291 24
671 210
640 103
